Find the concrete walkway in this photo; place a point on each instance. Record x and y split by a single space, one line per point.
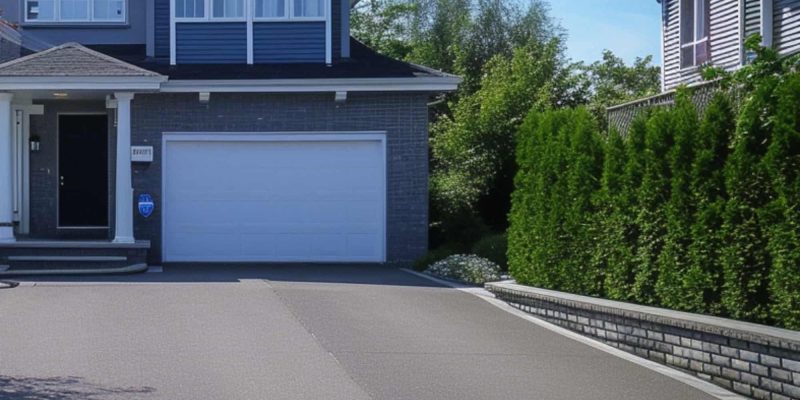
292 332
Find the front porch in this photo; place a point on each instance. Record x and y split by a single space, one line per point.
66 193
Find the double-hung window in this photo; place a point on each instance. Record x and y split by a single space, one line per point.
72 11
694 33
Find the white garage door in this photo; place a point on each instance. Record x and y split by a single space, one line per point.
303 198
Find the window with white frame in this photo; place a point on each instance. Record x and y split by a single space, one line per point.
694 33
71 11
261 9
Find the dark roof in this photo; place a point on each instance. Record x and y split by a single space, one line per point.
71 59
363 63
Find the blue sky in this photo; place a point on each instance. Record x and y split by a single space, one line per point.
629 28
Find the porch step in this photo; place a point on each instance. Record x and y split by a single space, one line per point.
67 257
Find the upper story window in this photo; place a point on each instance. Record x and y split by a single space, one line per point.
694 33
206 10
72 11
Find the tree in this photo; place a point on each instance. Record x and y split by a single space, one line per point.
535 237
703 280
383 25
620 193
584 171
653 194
673 261
610 82
782 162
473 151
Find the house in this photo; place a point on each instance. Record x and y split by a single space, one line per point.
208 131
696 33
700 32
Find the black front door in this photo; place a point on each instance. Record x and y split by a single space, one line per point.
83 171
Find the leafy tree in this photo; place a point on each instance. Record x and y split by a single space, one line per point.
610 81
653 196
473 151
673 260
384 25
703 279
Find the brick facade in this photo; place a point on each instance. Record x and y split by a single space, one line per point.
403 116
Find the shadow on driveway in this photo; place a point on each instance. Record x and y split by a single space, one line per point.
360 274
63 388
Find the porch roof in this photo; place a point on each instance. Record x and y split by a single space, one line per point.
75 67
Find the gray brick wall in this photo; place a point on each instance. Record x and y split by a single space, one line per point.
402 115
750 362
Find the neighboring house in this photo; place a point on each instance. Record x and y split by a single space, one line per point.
700 32
696 33
208 131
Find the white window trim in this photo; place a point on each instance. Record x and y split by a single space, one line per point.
250 6
705 39
58 19
249 18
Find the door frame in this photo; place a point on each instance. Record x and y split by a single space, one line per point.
58 173
303 136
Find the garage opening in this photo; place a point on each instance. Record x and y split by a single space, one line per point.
274 197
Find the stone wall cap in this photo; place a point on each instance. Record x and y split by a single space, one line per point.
746 330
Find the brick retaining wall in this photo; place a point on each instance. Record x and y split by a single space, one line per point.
753 360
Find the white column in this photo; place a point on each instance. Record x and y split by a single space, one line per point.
6 178
124 188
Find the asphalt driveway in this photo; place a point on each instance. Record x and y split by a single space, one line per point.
292 332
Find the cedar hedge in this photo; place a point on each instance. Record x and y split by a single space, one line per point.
696 213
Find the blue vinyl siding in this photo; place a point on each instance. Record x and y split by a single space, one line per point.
287 42
161 36
211 43
336 25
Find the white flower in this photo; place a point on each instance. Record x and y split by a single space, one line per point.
469 269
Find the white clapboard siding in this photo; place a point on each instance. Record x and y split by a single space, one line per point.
787 26
752 17
725 31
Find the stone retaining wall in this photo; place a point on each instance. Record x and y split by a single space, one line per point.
752 360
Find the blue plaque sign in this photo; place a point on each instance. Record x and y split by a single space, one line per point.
146 205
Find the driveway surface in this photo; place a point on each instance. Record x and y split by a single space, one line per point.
292 332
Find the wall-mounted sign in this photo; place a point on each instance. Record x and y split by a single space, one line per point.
146 205
142 153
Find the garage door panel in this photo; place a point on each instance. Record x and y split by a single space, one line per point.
274 201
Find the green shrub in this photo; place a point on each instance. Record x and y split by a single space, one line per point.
674 260
621 231
535 247
469 269
653 194
782 162
695 214
494 248
703 280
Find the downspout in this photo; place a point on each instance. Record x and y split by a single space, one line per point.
766 23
